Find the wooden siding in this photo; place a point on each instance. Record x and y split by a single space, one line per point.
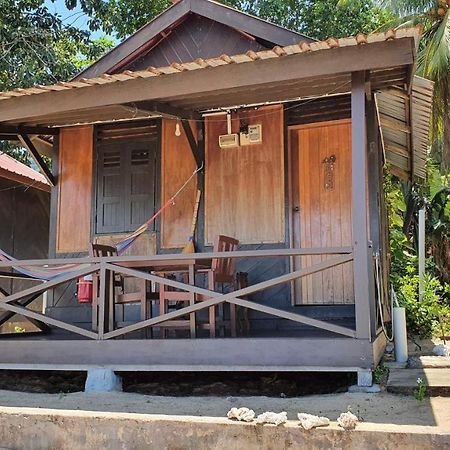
24 219
196 37
318 110
177 164
324 216
245 185
74 189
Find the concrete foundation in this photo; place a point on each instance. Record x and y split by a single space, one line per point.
102 380
365 378
40 429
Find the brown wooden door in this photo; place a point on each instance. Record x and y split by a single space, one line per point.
321 203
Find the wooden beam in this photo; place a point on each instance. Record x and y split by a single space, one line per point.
165 110
272 253
192 142
26 142
215 298
244 353
213 80
362 275
15 130
48 284
47 320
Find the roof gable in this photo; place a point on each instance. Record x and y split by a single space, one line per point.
196 37
258 32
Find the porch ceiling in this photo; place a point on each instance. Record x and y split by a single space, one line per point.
182 90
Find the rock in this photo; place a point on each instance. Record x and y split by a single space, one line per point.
389 348
272 417
242 414
309 421
441 350
347 420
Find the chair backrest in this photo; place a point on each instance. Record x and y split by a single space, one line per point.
100 250
224 267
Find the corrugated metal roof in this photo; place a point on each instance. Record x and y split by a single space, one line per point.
198 64
14 170
399 132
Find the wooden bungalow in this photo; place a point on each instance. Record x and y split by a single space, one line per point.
292 137
24 230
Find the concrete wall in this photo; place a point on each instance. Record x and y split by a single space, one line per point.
39 429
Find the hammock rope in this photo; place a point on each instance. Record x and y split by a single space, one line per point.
46 273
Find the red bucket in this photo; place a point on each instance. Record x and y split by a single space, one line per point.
84 289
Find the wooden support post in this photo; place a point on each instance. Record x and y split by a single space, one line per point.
374 193
27 143
362 275
192 142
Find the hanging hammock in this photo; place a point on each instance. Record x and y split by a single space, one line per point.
49 273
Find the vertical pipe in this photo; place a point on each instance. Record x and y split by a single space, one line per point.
400 335
421 243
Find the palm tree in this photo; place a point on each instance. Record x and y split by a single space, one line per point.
433 62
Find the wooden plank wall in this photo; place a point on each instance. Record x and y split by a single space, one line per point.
74 189
196 37
24 234
245 185
177 164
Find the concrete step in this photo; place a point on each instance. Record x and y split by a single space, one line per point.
404 381
437 362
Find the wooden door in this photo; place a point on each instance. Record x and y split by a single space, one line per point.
321 203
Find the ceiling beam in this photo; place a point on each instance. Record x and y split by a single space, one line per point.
15 130
164 110
26 142
215 80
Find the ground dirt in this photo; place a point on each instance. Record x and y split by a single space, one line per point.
381 408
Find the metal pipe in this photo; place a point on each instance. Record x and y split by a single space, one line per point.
421 251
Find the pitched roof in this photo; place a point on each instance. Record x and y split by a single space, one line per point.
223 60
11 169
300 70
145 37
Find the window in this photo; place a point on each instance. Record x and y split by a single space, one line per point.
126 169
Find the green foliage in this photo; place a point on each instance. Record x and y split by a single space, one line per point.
36 47
323 19
421 390
319 19
429 316
381 374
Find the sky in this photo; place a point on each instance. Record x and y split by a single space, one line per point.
73 17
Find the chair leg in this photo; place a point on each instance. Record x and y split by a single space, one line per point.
233 320
95 303
212 309
143 294
162 308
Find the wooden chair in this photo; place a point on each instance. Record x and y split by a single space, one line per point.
117 296
220 272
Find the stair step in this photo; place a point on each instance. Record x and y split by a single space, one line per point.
429 362
404 381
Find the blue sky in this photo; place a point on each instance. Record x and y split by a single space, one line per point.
73 17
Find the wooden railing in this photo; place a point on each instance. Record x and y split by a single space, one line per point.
17 303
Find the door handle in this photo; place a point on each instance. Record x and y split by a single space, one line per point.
296 209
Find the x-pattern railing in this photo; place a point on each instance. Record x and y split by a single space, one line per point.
107 265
